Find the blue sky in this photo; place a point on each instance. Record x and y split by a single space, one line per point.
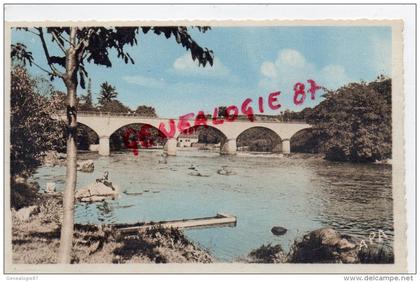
249 62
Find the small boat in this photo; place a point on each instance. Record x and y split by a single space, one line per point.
220 220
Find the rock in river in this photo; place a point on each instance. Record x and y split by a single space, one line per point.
278 230
225 171
96 192
85 166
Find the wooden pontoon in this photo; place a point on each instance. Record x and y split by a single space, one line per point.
219 220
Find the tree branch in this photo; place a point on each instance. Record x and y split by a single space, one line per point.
58 42
43 69
28 30
47 54
62 37
84 43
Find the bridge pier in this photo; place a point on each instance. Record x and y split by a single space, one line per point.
170 147
229 148
285 146
104 146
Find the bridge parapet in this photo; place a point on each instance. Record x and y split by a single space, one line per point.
135 115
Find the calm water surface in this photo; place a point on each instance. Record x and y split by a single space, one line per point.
268 190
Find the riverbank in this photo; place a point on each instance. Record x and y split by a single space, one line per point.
325 245
35 240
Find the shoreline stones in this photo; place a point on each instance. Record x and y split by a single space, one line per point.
324 245
376 253
268 254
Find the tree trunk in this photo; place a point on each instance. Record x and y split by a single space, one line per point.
70 79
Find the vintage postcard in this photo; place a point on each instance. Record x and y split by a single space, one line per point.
205 146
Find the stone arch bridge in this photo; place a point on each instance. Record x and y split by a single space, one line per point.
105 124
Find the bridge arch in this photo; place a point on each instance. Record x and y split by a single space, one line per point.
206 134
86 136
260 139
89 126
146 134
305 141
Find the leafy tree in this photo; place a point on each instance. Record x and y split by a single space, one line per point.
32 129
87 104
221 110
114 106
107 93
146 111
355 122
77 46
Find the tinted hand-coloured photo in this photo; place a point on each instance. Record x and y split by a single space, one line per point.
205 144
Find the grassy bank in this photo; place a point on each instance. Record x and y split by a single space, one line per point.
36 241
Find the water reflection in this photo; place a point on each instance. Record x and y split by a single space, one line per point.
357 199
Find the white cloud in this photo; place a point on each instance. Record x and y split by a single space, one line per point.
145 81
291 66
290 57
268 69
186 65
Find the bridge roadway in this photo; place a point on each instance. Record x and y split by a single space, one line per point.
105 124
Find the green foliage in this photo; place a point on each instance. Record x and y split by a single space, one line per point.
20 53
146 111
355 122
114 106
32 129
267 254
107 94
221 110
288 115
87 104
23 194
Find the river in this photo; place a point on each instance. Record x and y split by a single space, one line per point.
299 193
